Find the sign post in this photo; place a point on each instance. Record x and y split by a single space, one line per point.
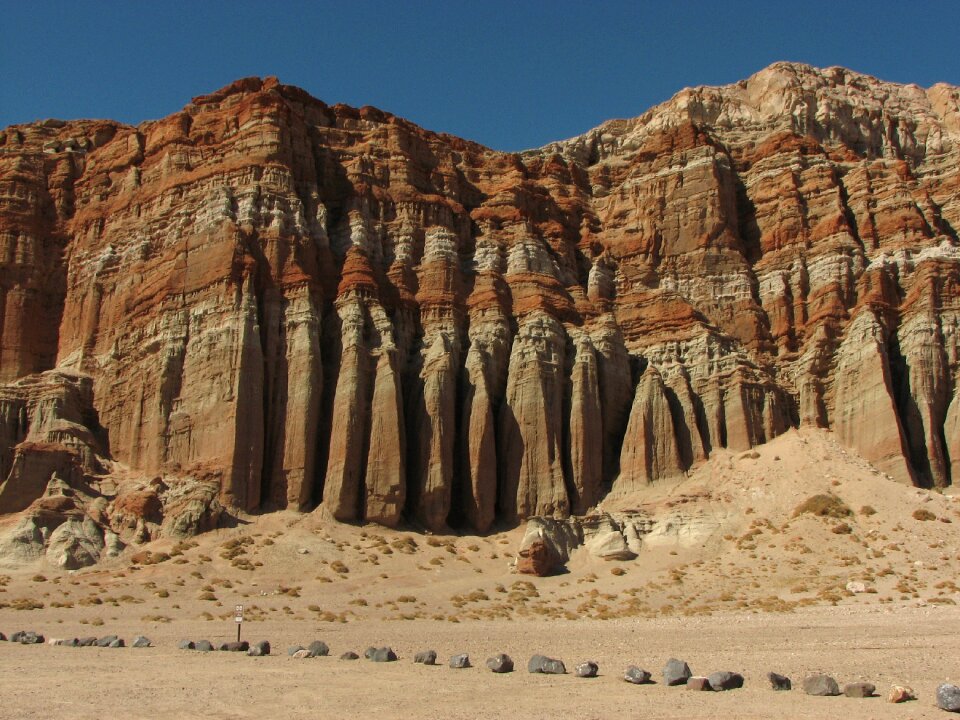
239 619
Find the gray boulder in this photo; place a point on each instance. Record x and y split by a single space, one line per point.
204 646
459 662
106 640
587 669
349 655
141 641
636 676
725 680
117 643
291 651
676 672
948 697
368 653
186 645
318 648
545 665
426 657
820 684
383 654
259 649
241 646
27 637
87 642
500 663
779 682
859 689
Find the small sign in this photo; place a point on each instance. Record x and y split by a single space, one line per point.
239 613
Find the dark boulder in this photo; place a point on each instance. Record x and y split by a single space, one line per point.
725 680
676 672
500 663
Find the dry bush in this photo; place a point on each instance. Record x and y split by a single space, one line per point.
841 529
923 514
868 510
823 505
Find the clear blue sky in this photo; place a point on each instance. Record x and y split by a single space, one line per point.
510 75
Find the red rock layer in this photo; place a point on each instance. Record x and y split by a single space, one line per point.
324 305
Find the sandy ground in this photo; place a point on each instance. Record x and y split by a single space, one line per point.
732 581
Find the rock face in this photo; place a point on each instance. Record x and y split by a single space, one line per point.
299 304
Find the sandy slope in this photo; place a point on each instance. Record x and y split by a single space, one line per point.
728 580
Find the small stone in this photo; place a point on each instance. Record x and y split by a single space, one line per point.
86 642
725 680
368 653
259 649
383 654
349 655
587 669
318 648
820 684
106 640
204 646
458 662
301 654
500 663
900 693
426 657
186 645
779 682
636 675
141 641
28 637
948 697
117 643
291 651
859 689
676 672
698 683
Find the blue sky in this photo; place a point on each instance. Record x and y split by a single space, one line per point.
510 75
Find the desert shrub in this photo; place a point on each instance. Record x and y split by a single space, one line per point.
841 529
923 514
868 510
823 505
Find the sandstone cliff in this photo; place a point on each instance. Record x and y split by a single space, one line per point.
318 306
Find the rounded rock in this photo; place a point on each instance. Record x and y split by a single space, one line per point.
948 697
458 662
426 657
501 663
182 645
587 669
636 676
349 655
259 649
141 641
820 684
725 680
859 689
318 648
204 646
779 682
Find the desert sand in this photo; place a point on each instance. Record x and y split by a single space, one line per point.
737 583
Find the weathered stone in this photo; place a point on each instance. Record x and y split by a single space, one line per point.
698 683
676 672
900 693
318 648
349 655
536 560
259 649
779 682
186 645
587 669
460 661
725 680
820 684
501 663
234 646
106 640
141 641
948 697
204 646
383 654
859 689
636 676
89 641
546 665
426 657
117 643
300 654
294 649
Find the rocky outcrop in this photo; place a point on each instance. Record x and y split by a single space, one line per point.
304 305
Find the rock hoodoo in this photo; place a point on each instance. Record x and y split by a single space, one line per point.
297 304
